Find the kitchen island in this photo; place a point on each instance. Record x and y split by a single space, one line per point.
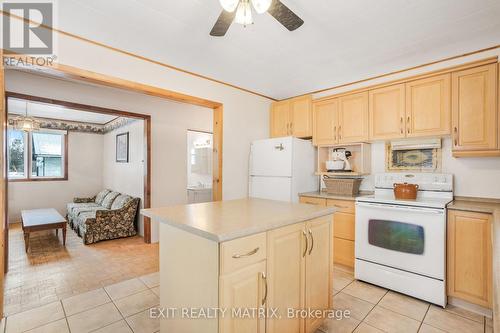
246 265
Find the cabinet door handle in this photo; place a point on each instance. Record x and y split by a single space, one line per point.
455 134
264 277
287 128
291 128
335 133
312 241
307 243
251 253
339 206
340 132
402 130
408 124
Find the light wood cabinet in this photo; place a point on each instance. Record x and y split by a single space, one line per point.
474 111
244 288
353 118
299 259
469 270
343 232
318 265
301 111
343 228
428 106
280 119
325 122
419 108
292 117
387 112
286 269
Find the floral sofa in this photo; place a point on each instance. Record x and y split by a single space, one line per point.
108 215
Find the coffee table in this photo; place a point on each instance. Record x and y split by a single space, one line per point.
42 219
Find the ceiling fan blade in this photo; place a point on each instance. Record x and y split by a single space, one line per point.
285 16
223 22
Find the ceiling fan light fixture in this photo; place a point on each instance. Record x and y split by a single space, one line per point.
244 13
261 6
229 5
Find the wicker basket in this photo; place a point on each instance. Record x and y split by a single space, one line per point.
342 186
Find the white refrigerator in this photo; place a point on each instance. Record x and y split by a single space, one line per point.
281 168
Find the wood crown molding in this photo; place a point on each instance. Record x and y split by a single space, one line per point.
472 64
62 32
73 73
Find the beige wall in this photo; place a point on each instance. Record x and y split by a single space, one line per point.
474 177
169 124
128 177
84 179
246 116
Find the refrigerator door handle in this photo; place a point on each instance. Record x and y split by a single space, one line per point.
279 147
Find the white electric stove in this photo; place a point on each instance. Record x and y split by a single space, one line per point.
401 244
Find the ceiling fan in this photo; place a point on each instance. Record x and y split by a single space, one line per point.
240 11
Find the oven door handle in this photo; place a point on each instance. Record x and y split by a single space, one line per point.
401 208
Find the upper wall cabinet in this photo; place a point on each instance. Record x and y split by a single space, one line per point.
292 117
475 114
325 122
280 119
428 110
353 118
413 109
387 112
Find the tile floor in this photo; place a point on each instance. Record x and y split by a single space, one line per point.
374 309
124 307
121 307
51 272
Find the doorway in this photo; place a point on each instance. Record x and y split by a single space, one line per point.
199 166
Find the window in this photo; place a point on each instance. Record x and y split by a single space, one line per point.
36 155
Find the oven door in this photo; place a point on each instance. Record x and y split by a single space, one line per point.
408 238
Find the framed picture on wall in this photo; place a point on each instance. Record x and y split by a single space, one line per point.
122 148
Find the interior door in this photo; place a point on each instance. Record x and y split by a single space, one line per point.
474 108
271 157
428 106
301 112
243 289
318 291
280 119
325 122
353 118
286 276
387 112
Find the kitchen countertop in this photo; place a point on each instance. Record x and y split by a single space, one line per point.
488 206
222 221
325 195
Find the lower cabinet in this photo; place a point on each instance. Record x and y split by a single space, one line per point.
469 270
244 289
343 232
300 274
344 227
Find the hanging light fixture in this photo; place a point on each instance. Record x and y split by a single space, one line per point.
26 123
261 6
229 5
244 13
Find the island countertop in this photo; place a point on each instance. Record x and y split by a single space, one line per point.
222 221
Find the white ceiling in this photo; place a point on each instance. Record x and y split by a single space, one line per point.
18 106
340 42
